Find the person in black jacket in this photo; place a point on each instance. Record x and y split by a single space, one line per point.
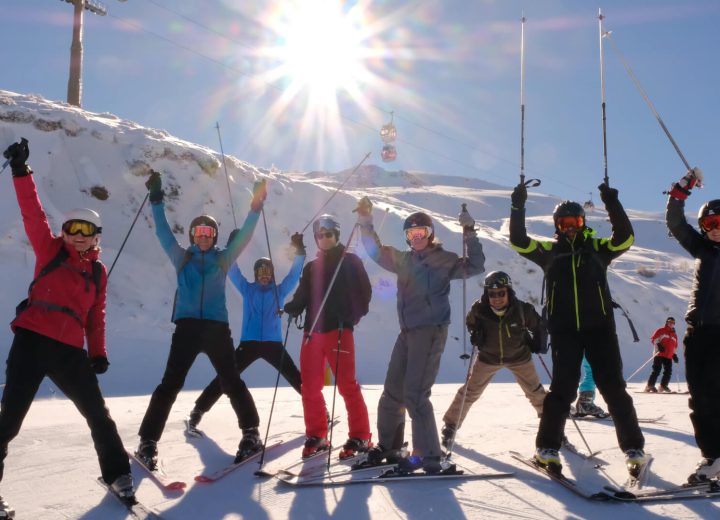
702 336
580 318
328 337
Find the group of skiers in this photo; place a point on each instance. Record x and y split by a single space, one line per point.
66 309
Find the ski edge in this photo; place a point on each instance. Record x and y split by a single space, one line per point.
222 472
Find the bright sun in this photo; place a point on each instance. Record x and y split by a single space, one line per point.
321 49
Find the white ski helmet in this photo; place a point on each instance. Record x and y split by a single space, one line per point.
85 214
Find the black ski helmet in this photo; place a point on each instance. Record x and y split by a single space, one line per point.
260 262
329 222
203 220
711 207
419 219
498 280
568 208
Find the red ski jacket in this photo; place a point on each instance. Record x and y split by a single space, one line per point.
70 285
666 338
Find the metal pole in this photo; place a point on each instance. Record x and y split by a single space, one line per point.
74 91
227 177
639 369
522 99
128 234
602 96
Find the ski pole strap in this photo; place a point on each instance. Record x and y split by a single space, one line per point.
532 183
616 305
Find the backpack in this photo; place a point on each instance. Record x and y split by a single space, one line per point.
536 340
53 264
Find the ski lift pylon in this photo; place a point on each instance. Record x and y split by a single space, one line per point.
388 132
589 204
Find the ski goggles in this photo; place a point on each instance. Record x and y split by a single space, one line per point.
570 221
263 270
710 222
204 231
497 294
419 232
324 234
82 227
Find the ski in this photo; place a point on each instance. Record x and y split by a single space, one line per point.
650 420
333 472
135 508
391 475
158 475
561 479
308 465
569 446
704 490
222 472
636 481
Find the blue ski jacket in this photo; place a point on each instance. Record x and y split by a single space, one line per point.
261 321
201 275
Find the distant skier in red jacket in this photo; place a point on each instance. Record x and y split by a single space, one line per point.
65 308
665 341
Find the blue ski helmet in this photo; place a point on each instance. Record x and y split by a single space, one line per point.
329 222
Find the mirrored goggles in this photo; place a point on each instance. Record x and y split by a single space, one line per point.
204 231
710 222
571 221
497 294
420 232
324 234
83 227
263 270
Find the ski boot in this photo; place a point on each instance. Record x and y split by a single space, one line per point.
314 445
549 459
123 487
353 446
447 435
634 461
5 510
191 423
147 453
249 445
707 469
650 389
665 390
586 406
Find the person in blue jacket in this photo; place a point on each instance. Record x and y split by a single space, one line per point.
262 329
201 320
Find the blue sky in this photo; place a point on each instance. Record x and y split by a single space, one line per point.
449 69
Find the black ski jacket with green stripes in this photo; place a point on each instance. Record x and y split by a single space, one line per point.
576 288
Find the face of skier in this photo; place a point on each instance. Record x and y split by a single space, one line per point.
711 225
325 239
419 237
569 226
263 274
499 298
671 324
204 237
80 235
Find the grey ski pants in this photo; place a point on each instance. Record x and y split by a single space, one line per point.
414 365
525 374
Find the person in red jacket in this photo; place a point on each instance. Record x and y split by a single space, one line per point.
64 309
665 342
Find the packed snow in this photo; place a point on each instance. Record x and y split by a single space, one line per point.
84 159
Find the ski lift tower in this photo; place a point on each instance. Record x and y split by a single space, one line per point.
74 94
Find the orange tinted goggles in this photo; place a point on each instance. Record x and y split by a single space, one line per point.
417 232
564 223
204 231
710 222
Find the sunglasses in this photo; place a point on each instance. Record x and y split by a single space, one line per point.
82 227
417 232
564 223
497 294
204 231
324 234
710 222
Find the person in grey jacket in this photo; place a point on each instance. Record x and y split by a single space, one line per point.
423 306
497 323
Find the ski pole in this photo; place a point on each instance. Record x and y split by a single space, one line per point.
128 234
522 99
602 96
451 444
227 177
336 191
332 408
639 369
677 377
591 452
272 273
464 355
646 98
272 404
5 164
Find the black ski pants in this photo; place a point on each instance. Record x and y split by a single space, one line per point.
245 355
191 337
34 356
702 365
660 363
600 347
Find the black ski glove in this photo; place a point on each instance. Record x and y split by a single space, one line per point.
466 221
296 241
519 196
18 154
675 359
154 186
660 349
607 194
99 364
